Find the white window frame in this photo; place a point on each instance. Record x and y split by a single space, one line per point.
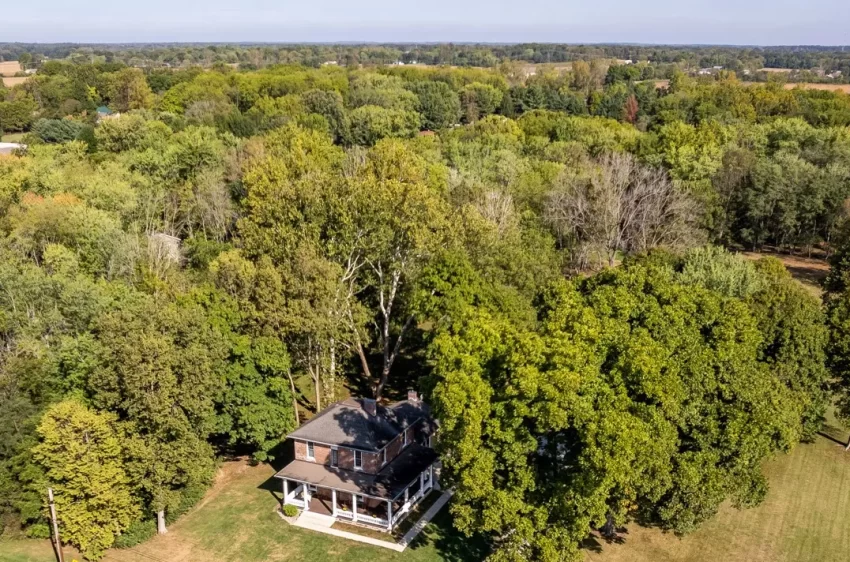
358 466
311 451
383 456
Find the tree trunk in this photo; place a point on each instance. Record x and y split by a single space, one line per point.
160 522
318 391
294 397
608 530
390 357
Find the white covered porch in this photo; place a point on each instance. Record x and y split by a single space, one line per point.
350 504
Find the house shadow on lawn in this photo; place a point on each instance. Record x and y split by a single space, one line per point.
282 455
451 544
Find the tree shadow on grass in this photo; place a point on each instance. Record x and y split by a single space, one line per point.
834 433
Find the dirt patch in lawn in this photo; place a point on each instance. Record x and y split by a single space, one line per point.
809 271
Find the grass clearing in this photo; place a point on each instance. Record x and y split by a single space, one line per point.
810 272
237 521
802 519
11 137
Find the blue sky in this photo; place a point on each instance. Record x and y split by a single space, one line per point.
762 22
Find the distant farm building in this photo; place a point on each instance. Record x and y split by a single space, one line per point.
10 147
104 113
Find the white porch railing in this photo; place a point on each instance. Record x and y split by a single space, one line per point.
295 502
344 514
361 518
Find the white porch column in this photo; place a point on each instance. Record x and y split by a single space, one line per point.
389 514
421 491
285 491
354 507
333 501
434 483
306 497
406 497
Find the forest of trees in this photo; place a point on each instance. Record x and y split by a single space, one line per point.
191 279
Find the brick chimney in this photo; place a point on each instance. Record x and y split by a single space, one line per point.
370 406
412 396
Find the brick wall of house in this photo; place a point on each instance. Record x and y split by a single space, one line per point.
345 458
370 461
322 453
393 449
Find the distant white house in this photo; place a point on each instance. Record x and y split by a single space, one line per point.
11 147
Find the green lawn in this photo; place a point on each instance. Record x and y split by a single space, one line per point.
11 137
803 519
237 522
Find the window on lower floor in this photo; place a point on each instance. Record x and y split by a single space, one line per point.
358 459
311 452
334 457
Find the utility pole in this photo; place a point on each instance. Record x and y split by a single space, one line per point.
57 542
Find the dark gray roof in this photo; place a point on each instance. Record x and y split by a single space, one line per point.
347 424
388 483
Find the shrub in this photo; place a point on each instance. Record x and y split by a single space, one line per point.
290 510
137 533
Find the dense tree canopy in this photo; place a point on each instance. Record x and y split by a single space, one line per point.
249 241
635 394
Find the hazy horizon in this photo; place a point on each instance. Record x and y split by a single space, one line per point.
669 22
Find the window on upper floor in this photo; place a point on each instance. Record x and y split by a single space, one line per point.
358 460
311 452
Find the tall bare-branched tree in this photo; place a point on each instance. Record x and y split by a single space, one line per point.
623 206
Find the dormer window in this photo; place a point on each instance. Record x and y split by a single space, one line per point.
358 460
311 452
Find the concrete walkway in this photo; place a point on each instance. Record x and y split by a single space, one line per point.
322 524
425 519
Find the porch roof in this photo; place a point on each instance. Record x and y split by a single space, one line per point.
388 483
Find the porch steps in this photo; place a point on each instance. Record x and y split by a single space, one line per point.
315 519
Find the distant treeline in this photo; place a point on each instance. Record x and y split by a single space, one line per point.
829 59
